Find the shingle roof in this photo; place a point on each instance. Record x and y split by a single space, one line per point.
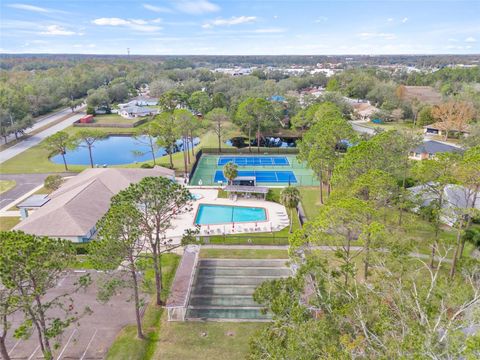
74 209
433 147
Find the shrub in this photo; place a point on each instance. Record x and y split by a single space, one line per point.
90 110
53 182
81 248
146 166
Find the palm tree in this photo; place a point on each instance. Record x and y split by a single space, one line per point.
290 198
230 171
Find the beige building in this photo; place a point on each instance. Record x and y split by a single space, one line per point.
72 211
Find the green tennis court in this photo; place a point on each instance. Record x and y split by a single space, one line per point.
268 170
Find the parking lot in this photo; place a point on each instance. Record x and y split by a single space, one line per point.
88 338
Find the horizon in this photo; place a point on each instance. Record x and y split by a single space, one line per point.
245 28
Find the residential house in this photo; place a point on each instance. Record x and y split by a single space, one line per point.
73 210
455 199
429 148
130 112
441 129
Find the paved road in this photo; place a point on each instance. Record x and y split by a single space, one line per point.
37 138
45 120
24 184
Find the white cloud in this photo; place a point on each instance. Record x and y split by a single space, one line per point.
196 7
321 19
57 30
404 20
29 8
234 20
470 39
157 9
269 31
134 24
390 19
372 35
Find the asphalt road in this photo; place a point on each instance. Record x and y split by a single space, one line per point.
88 338
24 184
37 138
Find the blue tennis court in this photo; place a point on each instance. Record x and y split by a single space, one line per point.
262 176
254 160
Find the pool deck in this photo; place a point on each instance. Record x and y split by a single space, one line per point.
277 217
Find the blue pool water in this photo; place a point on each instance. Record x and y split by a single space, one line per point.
115 150
220 214
262 176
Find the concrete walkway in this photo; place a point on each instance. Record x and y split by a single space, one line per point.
37 138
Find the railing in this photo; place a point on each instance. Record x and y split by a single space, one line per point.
253 151
198 155
246 239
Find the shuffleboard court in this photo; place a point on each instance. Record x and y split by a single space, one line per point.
254 160
262 176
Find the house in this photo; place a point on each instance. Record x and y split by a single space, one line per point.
364 110
73 210
455 197
429 148
440 128
134 111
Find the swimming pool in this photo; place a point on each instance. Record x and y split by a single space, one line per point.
208 214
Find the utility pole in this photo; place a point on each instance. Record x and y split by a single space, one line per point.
128 51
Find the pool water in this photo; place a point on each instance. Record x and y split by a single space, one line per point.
115 150
220 214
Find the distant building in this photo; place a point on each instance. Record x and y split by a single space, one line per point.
364 110
131 112
454 197
439 128
72 211
428 150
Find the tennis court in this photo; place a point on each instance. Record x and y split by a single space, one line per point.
268 170
254 160
262 176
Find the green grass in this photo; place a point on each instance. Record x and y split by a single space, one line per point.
6 185
8 222
127 346
205 340
243 253
110 119
82 263
310 200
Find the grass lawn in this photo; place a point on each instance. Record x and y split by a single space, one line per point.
8 222
310 200
205 340
6 185
243 253
110 119
127 346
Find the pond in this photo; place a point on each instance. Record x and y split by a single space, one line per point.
115 150
269 141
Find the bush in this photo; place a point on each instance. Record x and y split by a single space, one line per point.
272 196
81 248
146 166
53 182
90 110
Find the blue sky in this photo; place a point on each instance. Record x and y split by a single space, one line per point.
240 27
